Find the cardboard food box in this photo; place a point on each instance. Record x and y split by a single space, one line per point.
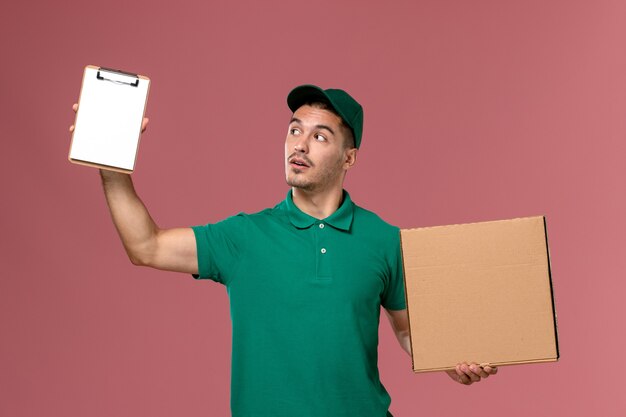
479 292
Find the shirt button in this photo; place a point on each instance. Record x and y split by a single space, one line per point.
323 250
321 225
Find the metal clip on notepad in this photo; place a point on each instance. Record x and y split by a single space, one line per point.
118 77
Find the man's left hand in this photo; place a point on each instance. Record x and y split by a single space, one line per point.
468 374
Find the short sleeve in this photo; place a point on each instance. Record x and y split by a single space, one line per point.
219 245
393 295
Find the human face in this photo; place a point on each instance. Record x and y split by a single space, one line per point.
315 156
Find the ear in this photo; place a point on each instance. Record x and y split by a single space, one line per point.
350 158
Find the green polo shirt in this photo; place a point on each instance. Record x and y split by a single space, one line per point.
305 297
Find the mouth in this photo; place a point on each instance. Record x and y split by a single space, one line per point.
299 163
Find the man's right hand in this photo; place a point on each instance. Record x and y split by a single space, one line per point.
144 122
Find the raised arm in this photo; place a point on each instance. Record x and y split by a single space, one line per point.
145 243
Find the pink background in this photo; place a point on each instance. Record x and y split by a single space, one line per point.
473 111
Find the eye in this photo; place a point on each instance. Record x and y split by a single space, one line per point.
320 138
294 131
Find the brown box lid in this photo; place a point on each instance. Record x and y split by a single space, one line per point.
479 292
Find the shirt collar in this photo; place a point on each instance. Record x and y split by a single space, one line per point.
341 219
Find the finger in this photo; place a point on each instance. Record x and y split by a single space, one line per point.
71 128
455 376
75 107
144 124
466 370
491 370
477 370
462 377
465 380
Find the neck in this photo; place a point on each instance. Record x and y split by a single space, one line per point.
317 204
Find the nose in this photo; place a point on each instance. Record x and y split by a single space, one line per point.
301 144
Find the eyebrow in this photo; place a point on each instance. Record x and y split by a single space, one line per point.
296 120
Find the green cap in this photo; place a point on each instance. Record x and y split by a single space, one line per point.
350 111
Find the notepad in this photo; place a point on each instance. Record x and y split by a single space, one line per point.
107 129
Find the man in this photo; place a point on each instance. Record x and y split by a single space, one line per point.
306 279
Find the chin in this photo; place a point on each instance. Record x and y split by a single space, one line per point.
304 185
